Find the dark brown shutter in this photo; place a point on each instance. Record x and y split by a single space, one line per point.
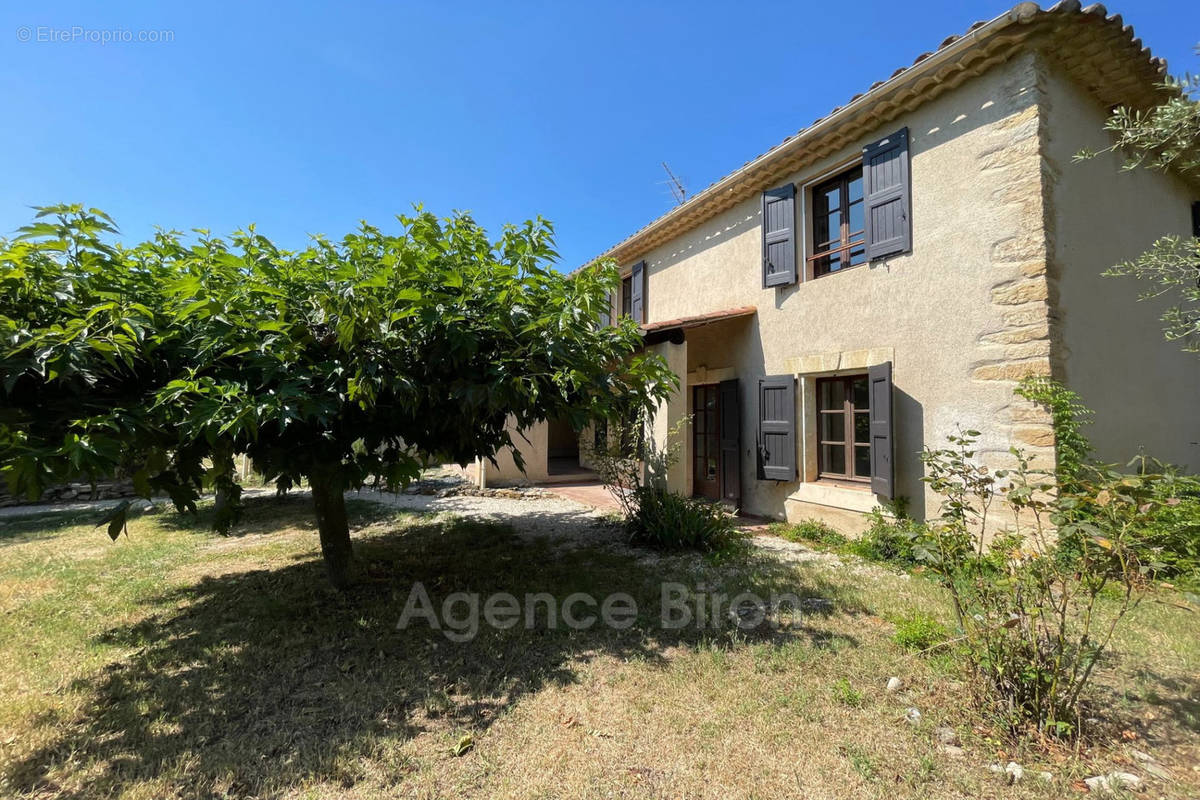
886 187
731 443
637 293
883 473
1196 219
779 235
777 428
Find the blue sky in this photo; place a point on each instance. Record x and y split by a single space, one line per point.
308 117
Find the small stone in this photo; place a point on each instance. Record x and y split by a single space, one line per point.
946 735
913 716
1140 756
1112 781
1158 771
1126 780
954 751
1045 777
1016 771
894 684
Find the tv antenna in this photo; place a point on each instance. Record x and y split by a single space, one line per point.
675 185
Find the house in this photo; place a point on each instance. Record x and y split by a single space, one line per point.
887 274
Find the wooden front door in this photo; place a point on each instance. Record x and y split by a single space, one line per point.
706 441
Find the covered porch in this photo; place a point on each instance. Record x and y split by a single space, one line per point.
713 445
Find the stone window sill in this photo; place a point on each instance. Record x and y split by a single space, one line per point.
836 495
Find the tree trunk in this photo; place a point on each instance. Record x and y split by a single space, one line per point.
334 530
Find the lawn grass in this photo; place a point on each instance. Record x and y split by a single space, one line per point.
178 663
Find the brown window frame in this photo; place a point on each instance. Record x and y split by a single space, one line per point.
627 295
847 239
848 411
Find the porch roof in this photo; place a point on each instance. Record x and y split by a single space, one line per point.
696 320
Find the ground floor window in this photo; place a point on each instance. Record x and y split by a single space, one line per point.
844 428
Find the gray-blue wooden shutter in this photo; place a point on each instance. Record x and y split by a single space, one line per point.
637 292
777 428
731 443
883 472
888 194
779 235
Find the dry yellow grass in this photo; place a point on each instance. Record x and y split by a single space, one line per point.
179 664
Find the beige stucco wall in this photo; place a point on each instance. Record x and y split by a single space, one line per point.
533 444
1145 391
960 317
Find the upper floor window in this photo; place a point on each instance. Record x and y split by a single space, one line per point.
839 223
627 296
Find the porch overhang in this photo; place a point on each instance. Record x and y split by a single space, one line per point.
671 330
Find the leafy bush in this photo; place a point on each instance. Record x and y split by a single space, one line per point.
918 631
669 521
889 540
633 468
809 530
1034 624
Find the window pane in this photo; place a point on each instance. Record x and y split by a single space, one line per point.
862 461
857 222
858 255
833 427
700 418
833 458
821 234
831 198
859 394
835 227
862 427
833 263
856 185
833 395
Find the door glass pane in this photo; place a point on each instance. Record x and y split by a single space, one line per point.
862 461
833 459
833 395
860 395
833 427
858 255
862 427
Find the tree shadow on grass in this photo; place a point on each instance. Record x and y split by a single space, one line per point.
254 680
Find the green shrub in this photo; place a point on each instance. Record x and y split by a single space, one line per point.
918 631
668 521
889 540
809 530
1035 624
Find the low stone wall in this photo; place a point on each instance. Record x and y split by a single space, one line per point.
73 492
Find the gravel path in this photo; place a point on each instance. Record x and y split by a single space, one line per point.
567 522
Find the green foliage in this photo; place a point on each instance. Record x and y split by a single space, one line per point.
809 530
918 631
1068 416
888 540
847 695
346 362
1035 622
1165 137
666 520
634 468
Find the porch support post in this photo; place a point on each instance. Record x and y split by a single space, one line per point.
669 413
